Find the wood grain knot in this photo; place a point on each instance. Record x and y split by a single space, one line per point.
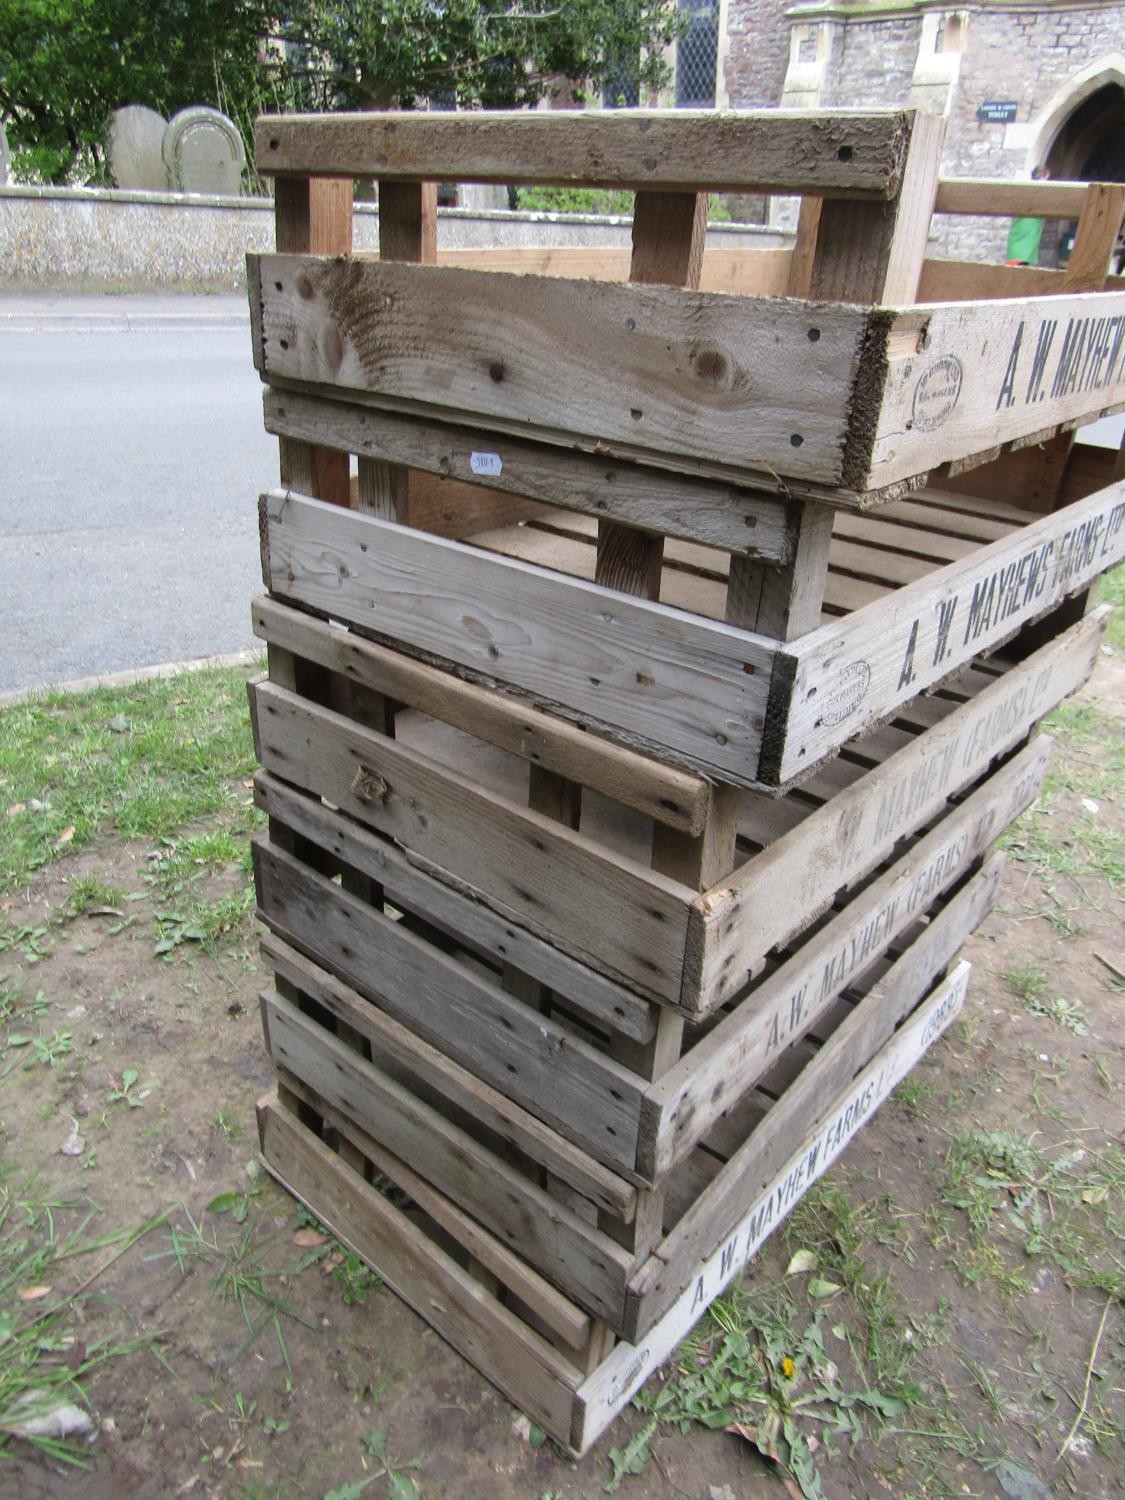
333 348
368 785
305 289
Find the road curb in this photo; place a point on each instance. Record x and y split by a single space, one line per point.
51 322
127 679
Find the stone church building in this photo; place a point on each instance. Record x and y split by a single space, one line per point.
1023 84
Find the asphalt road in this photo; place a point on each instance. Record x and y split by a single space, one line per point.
131 459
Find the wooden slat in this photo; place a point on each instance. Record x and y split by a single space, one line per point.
873 252
855 673
619 1376
713 514
729 380
678 798
775 893
1001 198
688 688
682 1106
594 1102
565 1321
967 280
312 216
398 1050
595 905
578 1259
500 1345
684 150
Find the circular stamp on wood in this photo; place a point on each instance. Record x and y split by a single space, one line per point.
848 693
937 393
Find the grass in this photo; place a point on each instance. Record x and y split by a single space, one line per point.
44 1363
143 761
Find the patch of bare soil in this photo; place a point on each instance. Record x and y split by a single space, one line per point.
274 1358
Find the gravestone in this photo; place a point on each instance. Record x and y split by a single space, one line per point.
5 157
135 136
203 153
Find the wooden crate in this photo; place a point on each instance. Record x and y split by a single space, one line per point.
601 1066
544 1350
439 814
830 398
514 606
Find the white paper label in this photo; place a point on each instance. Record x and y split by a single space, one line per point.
486 463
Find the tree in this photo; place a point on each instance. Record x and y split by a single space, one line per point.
66 65
500 54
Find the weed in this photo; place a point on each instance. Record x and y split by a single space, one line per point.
1027 981
1066 1013
43 1049
231 1129
122 1092
89 894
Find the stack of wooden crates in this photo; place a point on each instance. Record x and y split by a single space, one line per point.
638 729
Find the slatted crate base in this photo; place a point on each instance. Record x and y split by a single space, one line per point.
543 1351
579 909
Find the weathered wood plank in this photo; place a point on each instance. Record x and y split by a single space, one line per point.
685 150
564 1319
594 904
963 377
584 1263
405 878
593 1101
850 1047
397 1049
625 1370
681 1107
755 384
671 796
1000 198
873 252
498 1343
853 673
698 510
692 690
774 894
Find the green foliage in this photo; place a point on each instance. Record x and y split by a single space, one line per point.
65 65
349 54
142 761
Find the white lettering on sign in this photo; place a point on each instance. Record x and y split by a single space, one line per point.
486 463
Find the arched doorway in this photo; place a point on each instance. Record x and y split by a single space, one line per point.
1090 143
1081 138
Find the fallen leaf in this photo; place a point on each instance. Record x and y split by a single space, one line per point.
819 1288
804 1260
74 1145
16 808
720 1492
65 836
34 1293
308 1239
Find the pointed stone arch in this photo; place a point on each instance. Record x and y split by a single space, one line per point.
1106 73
